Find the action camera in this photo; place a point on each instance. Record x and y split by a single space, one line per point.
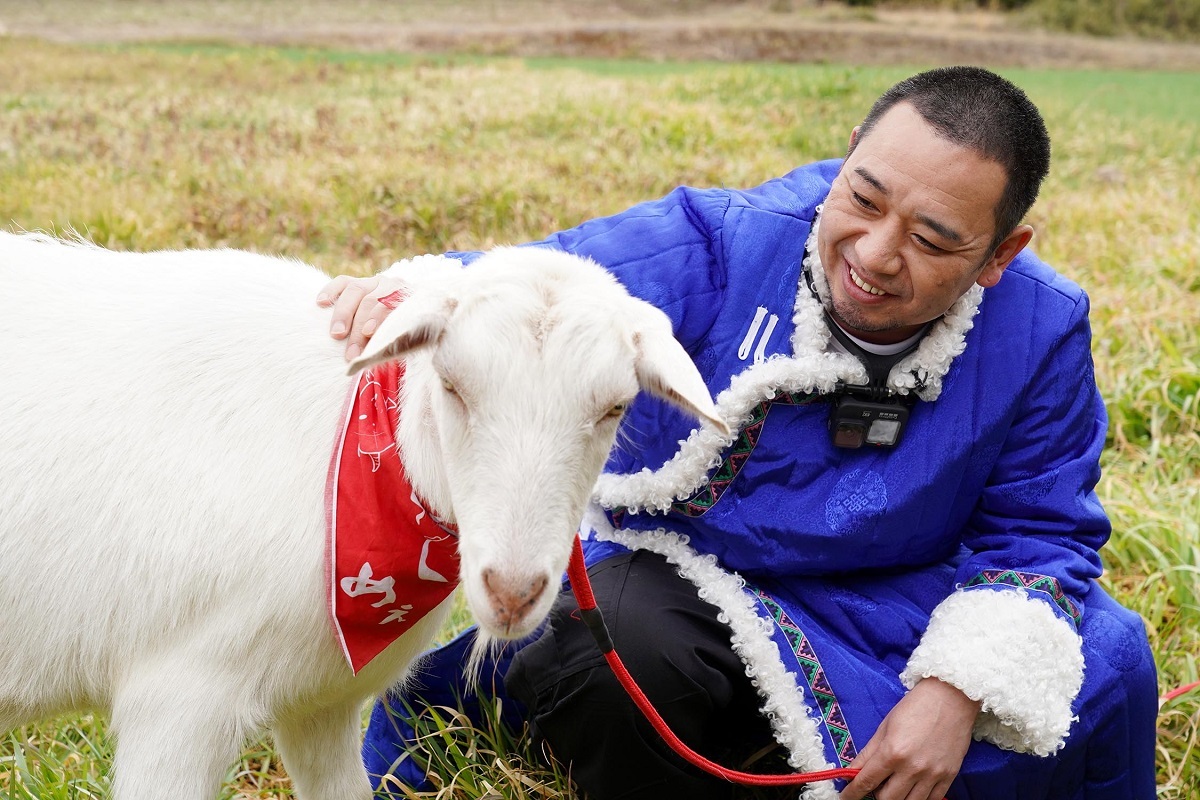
857 422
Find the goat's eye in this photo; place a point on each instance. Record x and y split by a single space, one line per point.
448 386
616 411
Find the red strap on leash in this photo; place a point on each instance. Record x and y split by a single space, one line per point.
1171 695
582 587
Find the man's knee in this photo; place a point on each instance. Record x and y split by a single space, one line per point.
1118 654
1118 704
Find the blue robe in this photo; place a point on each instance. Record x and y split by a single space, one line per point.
849 552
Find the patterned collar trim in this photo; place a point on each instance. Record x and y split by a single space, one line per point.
811 368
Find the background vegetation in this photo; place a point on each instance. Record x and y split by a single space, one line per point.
352 160
1172 19
1169 19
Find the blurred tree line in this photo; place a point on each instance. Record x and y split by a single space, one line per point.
1172 19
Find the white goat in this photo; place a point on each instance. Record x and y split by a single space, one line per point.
166 424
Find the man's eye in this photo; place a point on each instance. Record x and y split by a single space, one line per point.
862 201
928 245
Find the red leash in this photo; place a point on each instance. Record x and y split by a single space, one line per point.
1171 695
582 587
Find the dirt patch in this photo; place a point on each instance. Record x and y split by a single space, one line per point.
840 42
751 30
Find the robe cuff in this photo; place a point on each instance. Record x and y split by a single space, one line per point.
1012 652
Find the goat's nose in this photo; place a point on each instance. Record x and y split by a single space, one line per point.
512 596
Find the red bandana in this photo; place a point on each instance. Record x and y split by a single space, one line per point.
389 562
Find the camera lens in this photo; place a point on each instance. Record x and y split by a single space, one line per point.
849 434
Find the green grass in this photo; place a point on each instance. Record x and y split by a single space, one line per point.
352 160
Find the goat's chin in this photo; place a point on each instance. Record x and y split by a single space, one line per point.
488 643
486 647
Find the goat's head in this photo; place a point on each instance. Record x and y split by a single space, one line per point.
520 369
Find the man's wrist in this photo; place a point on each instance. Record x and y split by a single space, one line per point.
951 693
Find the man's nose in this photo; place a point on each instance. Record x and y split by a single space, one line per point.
878 249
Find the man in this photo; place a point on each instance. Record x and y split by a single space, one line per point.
908 495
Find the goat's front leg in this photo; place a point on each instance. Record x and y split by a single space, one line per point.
8 719
322 753
177 731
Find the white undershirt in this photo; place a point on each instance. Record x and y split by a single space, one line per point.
871 347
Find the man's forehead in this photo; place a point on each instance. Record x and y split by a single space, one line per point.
902 136
905 156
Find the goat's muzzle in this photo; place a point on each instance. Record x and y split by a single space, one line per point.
512 597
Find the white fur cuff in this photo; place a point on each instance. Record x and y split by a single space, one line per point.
1012 652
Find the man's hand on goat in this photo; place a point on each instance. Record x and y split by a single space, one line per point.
357 311
919 748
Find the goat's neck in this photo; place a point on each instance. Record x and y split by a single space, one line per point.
417 439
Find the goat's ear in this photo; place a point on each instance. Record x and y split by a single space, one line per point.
665 369
417 322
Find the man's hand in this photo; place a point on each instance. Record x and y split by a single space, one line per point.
919 748
357 311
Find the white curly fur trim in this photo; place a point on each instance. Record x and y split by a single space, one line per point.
790 717
809 369
1012 652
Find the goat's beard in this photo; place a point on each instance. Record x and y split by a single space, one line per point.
485 648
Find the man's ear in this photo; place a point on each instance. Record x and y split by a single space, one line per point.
853 140
1003 255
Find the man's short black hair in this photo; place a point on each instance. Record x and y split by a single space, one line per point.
980 110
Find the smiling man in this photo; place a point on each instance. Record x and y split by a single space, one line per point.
907 498
909 225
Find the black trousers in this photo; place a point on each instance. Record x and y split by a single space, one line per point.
680 655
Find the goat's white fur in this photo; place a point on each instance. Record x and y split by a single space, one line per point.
166 423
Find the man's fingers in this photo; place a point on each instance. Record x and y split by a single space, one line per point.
930 790
357 312
367 319
870 777
330 291
898 788
346 305
885 782
941 788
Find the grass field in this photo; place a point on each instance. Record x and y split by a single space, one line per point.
351 161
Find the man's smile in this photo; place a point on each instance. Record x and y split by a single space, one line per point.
862 284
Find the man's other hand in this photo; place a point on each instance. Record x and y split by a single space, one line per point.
357 311
919 747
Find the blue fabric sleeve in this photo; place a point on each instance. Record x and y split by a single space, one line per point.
389 749
1038 524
